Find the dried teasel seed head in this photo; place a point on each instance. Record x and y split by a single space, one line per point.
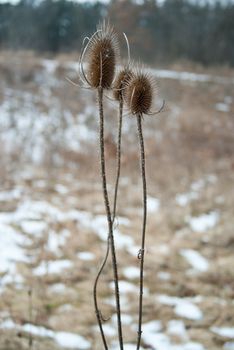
139 93
102 55
121 82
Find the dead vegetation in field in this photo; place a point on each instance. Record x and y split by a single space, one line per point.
51 198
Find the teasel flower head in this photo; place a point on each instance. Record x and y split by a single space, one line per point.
139 93
121 82
101 54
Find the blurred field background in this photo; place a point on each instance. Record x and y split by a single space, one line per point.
52 222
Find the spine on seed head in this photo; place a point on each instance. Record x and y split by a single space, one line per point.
121 82
102 56
139 93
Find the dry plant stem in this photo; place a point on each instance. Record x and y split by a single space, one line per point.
118 168
142 251
97 311
108 214
30 340
118 157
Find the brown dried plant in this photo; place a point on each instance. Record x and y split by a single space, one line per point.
136 89
139 93
102 53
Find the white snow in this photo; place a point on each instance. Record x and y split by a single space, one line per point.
64 339
182 307
152 326
126 347
189 76
10 248
98 224
195 259
109 330
57 240
61 189
222 107
131 272
177 327
125 318
71 340
59 288
15 193
163 249
50 65
227 332
65 308
125 287
164 276
86 256
153 204
33 227
52 267
229 346
204 222
188 310
184 198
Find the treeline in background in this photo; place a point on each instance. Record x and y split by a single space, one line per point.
173 30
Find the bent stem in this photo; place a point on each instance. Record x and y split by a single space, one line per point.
142 250
118 157
118 169
110 235
97 311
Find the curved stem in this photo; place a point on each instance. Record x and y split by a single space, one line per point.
118 157
95 297
110 235
142 251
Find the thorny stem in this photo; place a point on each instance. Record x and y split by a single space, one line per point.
142 251
97 311
118 157
118 168
110 236
30 339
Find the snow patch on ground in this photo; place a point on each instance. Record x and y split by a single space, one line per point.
227 332
64 339
153 204
185 198
125 287
222 107
189 76
204 222
177 327
131 272
164 276
10 248
10 195
86 256
195 259
182 307
52 267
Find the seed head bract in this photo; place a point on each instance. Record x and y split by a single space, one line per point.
139 93
121 82
102 54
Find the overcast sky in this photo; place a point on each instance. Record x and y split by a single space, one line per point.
160 1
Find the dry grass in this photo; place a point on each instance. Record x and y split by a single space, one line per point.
188 142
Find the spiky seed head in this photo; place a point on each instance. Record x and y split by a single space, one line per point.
121 82
139 93
102 54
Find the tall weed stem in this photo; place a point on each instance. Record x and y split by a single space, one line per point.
110 228
142 250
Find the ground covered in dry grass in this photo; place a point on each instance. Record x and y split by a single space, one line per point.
52 222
